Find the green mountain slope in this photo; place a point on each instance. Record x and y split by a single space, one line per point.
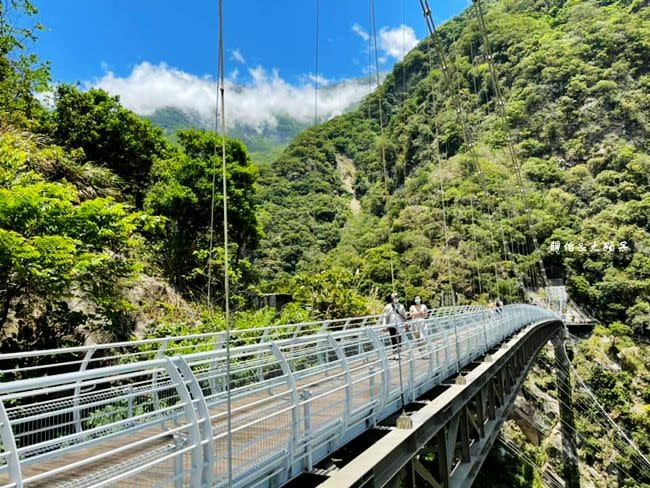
576 84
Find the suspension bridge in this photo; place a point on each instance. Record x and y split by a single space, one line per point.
152 413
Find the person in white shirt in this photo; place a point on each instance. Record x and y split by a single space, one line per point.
418 312
394 316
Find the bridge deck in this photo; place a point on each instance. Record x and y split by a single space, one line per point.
246 448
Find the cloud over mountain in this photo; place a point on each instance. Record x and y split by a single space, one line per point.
150 87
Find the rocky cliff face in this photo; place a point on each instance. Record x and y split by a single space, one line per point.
531 438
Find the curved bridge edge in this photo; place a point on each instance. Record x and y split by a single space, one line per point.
458 427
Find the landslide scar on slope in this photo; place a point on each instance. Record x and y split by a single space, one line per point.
347 171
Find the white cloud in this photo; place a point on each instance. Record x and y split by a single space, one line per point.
393 42
237 56
322 81
150 87
398 41
360 31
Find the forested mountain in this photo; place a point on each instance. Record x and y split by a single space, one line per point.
264 144
576 82
105 222
398 191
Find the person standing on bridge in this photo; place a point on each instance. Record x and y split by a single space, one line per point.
418 312
394 316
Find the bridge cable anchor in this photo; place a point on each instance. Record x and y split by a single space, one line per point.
404 422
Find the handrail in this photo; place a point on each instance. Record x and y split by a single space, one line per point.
262 333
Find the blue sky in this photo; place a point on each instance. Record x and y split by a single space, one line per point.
123 45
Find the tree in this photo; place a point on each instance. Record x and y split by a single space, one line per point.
110 135
619 330
21 75
53 247
329 294
182 190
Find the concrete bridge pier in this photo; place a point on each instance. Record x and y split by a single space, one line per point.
570 471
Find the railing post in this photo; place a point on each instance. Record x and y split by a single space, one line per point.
190 414
296 332
429 344
160 353
456 343
212 368
129 401
325 326
322 356
77 389
9 443
204 412
385 369
446 338
405 338
485 336
348 379
306 413
178 470
295 403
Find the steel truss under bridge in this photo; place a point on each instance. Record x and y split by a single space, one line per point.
152 413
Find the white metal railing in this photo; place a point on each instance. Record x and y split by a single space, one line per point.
153 412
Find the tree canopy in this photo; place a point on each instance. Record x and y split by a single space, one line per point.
110 135
181 191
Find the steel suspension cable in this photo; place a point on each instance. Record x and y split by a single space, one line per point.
317 60
481 175
447 255
579 434
373 34
455 92
370 20
460 112
582 437
501 111
443 207
515 450
477 166
604 421
224 187
611 421
444 218
478 266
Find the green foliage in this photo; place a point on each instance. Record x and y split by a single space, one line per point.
506 470
109 135
54 246
329 294
21 74
612 389
181 191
